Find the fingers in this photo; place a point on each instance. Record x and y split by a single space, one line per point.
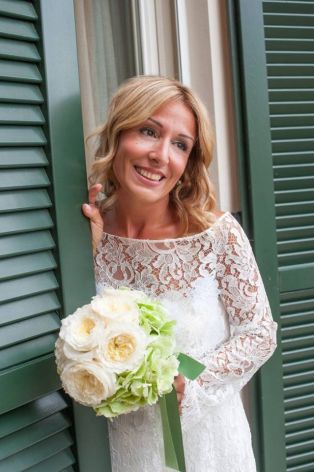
179 384
90 209
93 192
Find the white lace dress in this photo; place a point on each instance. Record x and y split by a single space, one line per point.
212 286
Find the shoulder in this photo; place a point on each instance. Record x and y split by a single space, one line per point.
229 234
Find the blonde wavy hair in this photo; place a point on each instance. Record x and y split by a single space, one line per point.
193 198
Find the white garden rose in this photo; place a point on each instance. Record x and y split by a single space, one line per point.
75 355
116 305
82 330
123 347
89 383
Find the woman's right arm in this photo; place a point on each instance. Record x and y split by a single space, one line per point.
91 211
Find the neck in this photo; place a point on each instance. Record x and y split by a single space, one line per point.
134 219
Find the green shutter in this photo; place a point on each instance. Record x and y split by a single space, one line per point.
45 254
273 46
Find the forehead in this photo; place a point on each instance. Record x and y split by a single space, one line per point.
177 114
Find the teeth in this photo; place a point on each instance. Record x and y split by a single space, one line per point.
148 175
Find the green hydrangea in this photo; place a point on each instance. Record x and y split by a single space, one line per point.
155 375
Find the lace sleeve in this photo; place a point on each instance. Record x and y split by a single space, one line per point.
252 330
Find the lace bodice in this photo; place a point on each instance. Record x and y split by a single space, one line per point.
212 286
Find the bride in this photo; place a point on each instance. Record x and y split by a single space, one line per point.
157 229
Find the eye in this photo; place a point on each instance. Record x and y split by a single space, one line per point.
181 145
150 132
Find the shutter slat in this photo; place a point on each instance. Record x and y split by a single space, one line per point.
285 6
55 463
296 426
296 436
18 9
296 277
42 369
299 257
26 351
292 208
17 29
19 71
19 157
293 195
25 243
290 82
295 220
18 50
297 32
33 434
19 266
294 380
21 136
299 232
28 329
286 44
291 133
298 413
31 413
24 200
37 453
287 95
25 221
296 170
290 332
293 158
295 145
20 93
292 107
288 57
28 307
23 178
21 114
294 70
293 183
295 245
289 19
26 286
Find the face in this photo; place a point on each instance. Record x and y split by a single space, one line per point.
152 156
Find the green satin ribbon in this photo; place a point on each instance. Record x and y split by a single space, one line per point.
171 425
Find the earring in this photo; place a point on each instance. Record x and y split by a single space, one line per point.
178 183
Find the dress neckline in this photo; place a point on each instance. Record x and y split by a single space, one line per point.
174 240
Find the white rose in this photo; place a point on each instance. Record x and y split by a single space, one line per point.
89 383
74 355
123 347
116 305
82 330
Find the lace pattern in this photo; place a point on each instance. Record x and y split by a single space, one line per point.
212 286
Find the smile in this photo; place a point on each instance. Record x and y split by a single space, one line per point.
148 175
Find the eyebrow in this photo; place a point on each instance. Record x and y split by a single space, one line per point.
180 134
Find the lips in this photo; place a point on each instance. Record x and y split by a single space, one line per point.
153 176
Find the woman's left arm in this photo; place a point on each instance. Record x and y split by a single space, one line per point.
253 331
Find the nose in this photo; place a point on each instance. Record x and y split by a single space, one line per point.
160 152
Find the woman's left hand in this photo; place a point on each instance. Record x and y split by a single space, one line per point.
179 385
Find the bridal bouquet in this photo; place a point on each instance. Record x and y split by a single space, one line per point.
116 354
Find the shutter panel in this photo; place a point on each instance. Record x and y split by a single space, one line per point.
39 267
274 42
37 433
289 36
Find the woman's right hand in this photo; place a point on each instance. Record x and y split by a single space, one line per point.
91 211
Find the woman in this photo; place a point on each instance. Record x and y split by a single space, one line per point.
158 230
